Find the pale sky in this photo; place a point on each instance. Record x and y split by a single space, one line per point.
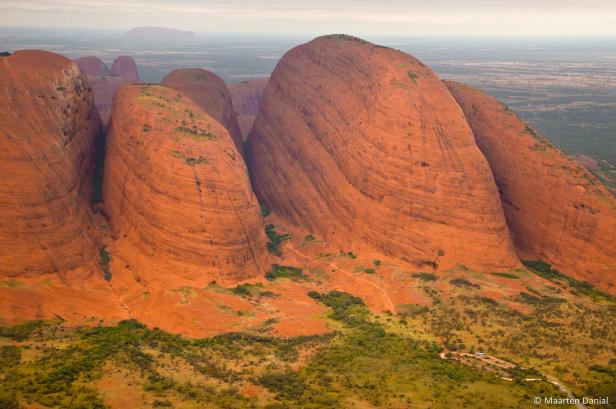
360 17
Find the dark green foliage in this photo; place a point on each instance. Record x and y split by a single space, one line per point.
546 271
290 272
425 276
20 332
345 307
463 282
10 356
158 384
377 263
245 290
362 269
4 54
533 300
287 385
412 76
275 239
348 254
265 211
507 275
147 128
105 258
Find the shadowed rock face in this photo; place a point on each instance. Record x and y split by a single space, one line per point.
92 66
557 211
125 67
209 91
48 130
246 97
365 146
104 82
177 191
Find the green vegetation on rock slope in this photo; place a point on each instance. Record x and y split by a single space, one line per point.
364 362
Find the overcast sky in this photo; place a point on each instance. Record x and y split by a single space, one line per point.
385 17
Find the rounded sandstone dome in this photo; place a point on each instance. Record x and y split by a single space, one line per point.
209 91
177 190
365 146
49 127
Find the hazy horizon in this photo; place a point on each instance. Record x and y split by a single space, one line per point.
386 18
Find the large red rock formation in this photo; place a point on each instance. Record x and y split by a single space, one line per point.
209 91
557 211
104 82
246 97
125 67
177 192
92 66
364 146
48 125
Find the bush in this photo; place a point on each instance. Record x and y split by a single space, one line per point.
507 275
245 290
20 332
275 239
105 258
463 282
290 272
425 276
287 385
546 271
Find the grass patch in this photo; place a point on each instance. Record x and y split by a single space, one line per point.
362 269
348 254
507 275
290 272
21 332
246 290
425 276
309 238
546 271
196 161
464 283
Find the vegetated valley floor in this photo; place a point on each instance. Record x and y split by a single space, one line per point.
378 350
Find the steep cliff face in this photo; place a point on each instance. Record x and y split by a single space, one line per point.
209 91
246 97
557 211
177 191
48 127
104 82
365 146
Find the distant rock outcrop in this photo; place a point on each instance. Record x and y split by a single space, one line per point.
49 127
177 192
246 97
104 82
557 211
363 145
92 66
209 91
125 67
159 34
